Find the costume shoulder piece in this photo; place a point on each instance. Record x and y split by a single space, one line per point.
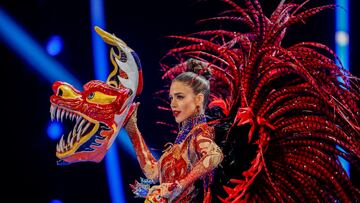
285 116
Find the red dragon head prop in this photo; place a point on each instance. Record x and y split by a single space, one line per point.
99 111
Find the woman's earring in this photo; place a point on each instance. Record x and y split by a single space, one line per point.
197 111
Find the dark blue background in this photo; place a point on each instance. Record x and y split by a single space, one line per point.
28 155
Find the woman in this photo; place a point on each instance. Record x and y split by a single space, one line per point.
194 154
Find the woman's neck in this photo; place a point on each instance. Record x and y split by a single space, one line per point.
193 120
187 125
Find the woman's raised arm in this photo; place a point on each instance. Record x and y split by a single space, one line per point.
147 161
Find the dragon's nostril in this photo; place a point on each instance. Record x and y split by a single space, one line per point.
60 92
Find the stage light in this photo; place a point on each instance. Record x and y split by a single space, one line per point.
342 38
56 201
54 45
125 142
100 62
21 42
342 48
54 130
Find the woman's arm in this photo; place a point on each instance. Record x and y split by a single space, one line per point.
147 161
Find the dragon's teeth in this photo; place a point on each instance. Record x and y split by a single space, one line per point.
51 108
67 115
72 141
76 125
68 138
58 114
55 110
62 144
78 136
81 125
62 115
52 112
78 119
73 132
85 128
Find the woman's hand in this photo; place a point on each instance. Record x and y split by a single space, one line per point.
164 191
132 121
154 196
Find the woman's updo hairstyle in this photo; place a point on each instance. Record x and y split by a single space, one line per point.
196 77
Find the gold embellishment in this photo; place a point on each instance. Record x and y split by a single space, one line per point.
176 152
167 147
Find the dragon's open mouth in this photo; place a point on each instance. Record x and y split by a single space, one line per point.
81 133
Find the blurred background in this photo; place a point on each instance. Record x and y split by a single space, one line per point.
40 37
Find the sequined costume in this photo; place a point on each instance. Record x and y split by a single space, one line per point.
193 155
283 115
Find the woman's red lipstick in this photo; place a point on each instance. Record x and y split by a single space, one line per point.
176 113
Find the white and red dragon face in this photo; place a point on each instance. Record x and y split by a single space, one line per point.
97 113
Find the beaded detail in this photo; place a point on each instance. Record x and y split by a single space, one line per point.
187 125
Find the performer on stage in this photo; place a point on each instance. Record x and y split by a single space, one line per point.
194 154
283 116
278 120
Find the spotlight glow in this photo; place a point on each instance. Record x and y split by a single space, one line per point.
56 201
342 38
28 49
54 45
112 162
54 130
342 48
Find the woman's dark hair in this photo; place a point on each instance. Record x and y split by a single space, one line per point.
198 83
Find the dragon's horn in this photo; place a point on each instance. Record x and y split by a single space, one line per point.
109 38
127 68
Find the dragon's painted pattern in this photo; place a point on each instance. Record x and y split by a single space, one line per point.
101 109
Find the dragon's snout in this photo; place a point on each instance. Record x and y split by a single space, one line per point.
64 90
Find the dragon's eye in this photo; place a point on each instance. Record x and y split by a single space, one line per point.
91 95
100 98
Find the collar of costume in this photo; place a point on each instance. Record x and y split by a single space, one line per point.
187 125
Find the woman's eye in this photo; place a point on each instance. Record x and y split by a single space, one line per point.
180 97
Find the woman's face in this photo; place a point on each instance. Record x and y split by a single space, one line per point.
183 101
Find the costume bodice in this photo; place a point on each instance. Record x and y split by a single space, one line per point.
179 159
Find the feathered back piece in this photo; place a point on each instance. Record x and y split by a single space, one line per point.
291 112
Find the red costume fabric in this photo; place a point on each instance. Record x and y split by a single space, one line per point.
284 116
192 158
